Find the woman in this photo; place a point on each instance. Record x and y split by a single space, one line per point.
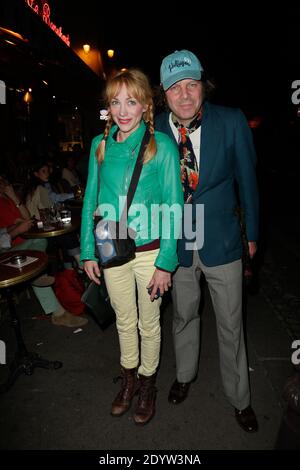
69 172
39 194
113 154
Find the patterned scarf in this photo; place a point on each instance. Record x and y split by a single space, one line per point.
188 161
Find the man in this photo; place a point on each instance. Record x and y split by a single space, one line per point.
217 153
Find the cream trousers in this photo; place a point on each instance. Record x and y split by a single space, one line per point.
126 286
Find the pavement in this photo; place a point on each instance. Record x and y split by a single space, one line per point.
69 408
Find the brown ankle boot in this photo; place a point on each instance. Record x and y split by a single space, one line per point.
146 405
122 401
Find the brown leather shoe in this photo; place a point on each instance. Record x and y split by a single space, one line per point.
178 392
123 400
246 419
146 405
43 281
67 319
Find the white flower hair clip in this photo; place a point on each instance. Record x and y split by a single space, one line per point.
103 114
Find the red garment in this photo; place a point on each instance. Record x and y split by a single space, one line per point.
69 288
9 212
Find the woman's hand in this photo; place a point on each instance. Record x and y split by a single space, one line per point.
92 270
21 226
24 226
160 280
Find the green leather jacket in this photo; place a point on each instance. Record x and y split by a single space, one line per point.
156 209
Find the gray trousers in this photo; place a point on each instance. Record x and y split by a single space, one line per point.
225 286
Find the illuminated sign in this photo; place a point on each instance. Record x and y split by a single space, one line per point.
42 9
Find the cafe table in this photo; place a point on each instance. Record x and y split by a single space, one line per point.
55 229
10 276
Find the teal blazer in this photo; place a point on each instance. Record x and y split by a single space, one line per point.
227 178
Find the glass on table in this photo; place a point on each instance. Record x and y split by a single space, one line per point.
78 192
45 217
53 214
65 216
56 209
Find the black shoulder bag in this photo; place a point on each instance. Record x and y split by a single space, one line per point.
114 245
96 298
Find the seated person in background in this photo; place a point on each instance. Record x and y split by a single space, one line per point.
69 172
38 196
15 220
41 171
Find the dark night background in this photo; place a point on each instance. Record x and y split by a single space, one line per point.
249 52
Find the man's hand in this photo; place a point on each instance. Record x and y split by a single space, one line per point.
252 249
160 280
92 270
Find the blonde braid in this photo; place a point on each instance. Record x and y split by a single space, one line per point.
151 147
101 147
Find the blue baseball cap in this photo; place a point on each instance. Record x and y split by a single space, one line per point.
179 66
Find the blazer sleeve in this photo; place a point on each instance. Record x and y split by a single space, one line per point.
245 173
171 204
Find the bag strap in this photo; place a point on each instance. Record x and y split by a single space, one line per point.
135 175
136 172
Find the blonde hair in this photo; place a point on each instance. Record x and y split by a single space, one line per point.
138 87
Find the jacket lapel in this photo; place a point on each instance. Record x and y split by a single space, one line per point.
210 143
